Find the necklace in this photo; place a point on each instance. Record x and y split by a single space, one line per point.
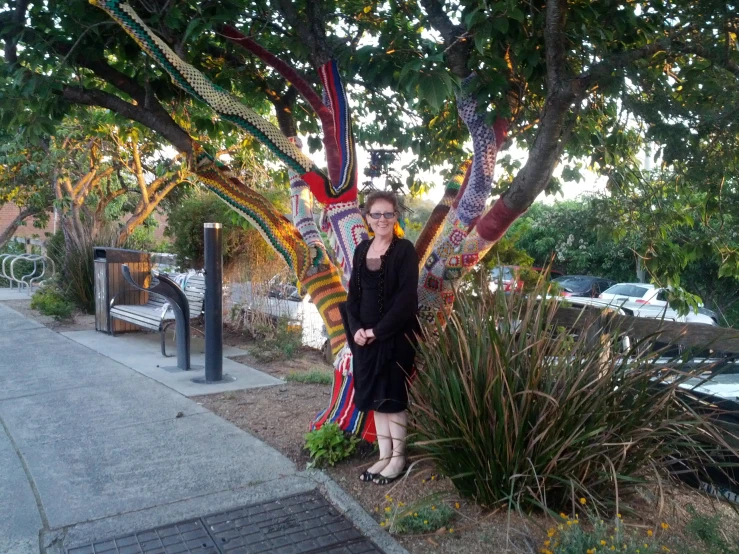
378 252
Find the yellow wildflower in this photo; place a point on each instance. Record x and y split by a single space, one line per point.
650 533
583 501
382 524
619 516
387 509
562 515
389 499
613 547
570 522
433 507
433 477
425 521
401 504
602 542
451 529
415 514
665 526
665 549
591 551
551 532
456 505
547 543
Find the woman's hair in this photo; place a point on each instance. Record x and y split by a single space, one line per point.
381 195
389 197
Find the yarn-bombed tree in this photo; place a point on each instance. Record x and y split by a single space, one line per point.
549 74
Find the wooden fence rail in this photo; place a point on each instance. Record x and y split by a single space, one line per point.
695 335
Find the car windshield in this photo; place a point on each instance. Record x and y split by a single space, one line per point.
501 273
627 290
573 283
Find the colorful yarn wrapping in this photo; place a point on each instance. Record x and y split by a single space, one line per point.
310 262
433 226
333 111
196 84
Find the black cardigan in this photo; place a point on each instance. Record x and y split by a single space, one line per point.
401 292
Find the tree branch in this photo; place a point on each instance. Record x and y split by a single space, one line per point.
455 38
16 21
312 31
10 230
555 41
166 127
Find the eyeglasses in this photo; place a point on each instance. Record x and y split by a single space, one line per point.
378 215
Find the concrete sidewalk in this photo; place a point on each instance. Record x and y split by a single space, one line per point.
92 451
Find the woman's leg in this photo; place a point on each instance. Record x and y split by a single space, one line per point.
398 423
384 441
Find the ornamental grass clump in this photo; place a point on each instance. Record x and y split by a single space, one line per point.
517 410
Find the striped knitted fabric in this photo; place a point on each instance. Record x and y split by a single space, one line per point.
435 223
228 107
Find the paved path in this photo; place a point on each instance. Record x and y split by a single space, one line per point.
90 449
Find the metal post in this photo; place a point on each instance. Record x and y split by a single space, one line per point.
213 303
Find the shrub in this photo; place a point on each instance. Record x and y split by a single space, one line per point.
428 515
277 340
75 267
50 301
515 410
312 377
569 536
185 228
329 445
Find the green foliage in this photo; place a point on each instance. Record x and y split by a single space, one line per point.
185 228
708 530
329 445
426 515
52 302
516 411
277 339
312 377
75 269
569 536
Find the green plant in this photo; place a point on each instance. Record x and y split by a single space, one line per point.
185 228
277 340
50 301
570 536
427 515
75 268
329 445
312 377
707 530
515 411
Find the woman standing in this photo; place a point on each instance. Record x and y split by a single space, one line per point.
381 323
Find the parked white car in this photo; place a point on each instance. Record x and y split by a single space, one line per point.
639 293
645 298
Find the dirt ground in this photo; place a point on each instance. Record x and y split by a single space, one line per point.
281 415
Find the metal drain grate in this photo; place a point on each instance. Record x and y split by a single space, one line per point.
301 524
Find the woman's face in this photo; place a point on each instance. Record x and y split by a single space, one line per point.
382 227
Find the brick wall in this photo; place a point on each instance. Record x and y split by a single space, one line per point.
8 212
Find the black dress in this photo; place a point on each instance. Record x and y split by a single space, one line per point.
386 301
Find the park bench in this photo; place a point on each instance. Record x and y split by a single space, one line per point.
157 314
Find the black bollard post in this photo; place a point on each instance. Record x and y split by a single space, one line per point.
213 303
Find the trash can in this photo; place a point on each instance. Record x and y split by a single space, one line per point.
109 282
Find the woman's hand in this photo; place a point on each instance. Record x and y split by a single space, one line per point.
369 335
360 337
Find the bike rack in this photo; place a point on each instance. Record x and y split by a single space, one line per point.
27 280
